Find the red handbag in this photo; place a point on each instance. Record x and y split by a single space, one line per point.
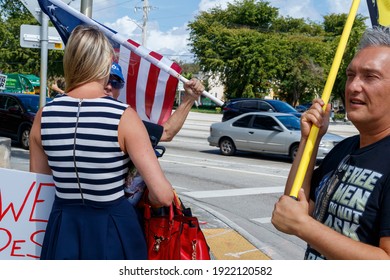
172 233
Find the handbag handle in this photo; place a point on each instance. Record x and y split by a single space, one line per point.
174 208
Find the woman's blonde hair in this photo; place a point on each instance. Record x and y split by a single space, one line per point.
87 58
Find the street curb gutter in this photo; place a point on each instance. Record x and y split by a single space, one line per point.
260 246
5 152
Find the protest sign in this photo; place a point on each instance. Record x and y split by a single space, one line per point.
25 202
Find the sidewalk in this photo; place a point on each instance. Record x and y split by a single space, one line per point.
224 241
227 241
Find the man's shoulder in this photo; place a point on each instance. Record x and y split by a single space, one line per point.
348 143
155 132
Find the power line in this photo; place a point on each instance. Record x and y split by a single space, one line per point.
111 6
146 8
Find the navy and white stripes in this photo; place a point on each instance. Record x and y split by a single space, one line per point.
101 165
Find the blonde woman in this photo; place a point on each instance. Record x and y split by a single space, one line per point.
86 140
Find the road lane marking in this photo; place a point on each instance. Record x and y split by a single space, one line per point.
265 220
235 192
216 161
180 188
225 169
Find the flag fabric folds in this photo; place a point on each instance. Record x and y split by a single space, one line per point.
147 81
379 12
149 90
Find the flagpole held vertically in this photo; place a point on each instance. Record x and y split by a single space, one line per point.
309 147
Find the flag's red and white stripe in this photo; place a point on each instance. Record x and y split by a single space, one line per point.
150 91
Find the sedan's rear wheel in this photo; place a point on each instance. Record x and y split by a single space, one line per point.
25 138
227 147
293 151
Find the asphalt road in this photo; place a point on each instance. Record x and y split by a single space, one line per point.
233 197
239 191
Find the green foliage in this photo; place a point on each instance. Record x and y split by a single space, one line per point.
296 26
358 28
339 116
14 58
255 51
249 14
188 69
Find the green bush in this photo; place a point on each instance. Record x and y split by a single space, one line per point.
338 116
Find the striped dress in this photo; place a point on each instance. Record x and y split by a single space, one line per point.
90 218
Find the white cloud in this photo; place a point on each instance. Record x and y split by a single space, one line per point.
124 25
342 6
205 5
297 9
172 43
338 6
175 40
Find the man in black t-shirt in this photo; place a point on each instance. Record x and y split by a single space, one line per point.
343 208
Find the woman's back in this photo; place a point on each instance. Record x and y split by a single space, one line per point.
80 138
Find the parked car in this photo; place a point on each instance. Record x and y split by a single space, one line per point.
303 107
264 132
238 106
17 112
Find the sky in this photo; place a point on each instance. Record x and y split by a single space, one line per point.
167 31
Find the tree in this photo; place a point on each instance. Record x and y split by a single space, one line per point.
304 67
334 26
250 46
228 42
14 58
254 50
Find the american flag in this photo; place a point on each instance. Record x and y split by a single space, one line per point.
149 90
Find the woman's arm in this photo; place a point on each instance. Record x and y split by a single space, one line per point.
38 159
134 140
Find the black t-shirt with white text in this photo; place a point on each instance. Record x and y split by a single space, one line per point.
351 190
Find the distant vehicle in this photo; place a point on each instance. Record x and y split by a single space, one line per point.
264 132
19 83
303 107
17 113
340 110
35 82
238 106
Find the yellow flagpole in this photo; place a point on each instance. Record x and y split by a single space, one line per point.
308 151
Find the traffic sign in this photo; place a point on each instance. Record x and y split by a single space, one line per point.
3 80
30 37
33 7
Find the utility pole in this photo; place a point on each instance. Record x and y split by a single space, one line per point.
44 37
86 7
146 9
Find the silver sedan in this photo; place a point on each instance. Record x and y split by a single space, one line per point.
264 132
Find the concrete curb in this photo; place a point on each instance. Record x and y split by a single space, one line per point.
260 246
5 152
